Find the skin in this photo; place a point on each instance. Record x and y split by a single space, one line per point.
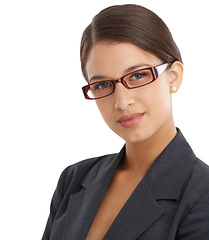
144 141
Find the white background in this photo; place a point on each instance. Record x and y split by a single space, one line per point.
46 124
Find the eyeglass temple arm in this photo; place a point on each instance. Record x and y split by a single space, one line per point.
160 69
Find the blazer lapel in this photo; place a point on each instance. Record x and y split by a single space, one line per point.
83 206
139 213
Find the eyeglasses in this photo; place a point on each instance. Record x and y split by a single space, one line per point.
136 79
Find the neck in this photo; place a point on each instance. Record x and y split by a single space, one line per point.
140 156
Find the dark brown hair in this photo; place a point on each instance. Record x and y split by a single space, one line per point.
130 23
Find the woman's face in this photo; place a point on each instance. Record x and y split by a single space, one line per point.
134 114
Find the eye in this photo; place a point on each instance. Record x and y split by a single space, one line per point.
137 75
102 85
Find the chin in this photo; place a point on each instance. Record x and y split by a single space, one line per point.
136 138
135 135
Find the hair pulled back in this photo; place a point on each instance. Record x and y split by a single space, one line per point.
133 24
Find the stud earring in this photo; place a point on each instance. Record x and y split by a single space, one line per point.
173 89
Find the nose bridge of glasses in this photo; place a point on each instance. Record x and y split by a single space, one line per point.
121 80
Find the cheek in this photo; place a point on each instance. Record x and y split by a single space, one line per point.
105 109
158 100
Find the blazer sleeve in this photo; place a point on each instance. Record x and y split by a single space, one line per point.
55 203
196 223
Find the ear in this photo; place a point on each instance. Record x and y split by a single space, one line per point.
176 76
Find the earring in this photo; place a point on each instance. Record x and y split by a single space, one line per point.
173 89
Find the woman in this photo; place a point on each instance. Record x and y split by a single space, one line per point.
155 188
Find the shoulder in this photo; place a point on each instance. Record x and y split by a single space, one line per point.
85 165
195 220
200 167
196 186
199 177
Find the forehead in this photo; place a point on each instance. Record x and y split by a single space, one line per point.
112 59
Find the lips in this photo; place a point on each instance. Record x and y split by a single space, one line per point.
131 120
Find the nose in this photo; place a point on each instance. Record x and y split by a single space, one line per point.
123 97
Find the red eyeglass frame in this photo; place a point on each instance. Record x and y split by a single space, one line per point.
154 70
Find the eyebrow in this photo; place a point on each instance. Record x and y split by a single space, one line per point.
142 65
100 77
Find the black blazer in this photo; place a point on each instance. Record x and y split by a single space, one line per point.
171 201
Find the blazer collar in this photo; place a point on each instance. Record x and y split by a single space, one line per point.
167 174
